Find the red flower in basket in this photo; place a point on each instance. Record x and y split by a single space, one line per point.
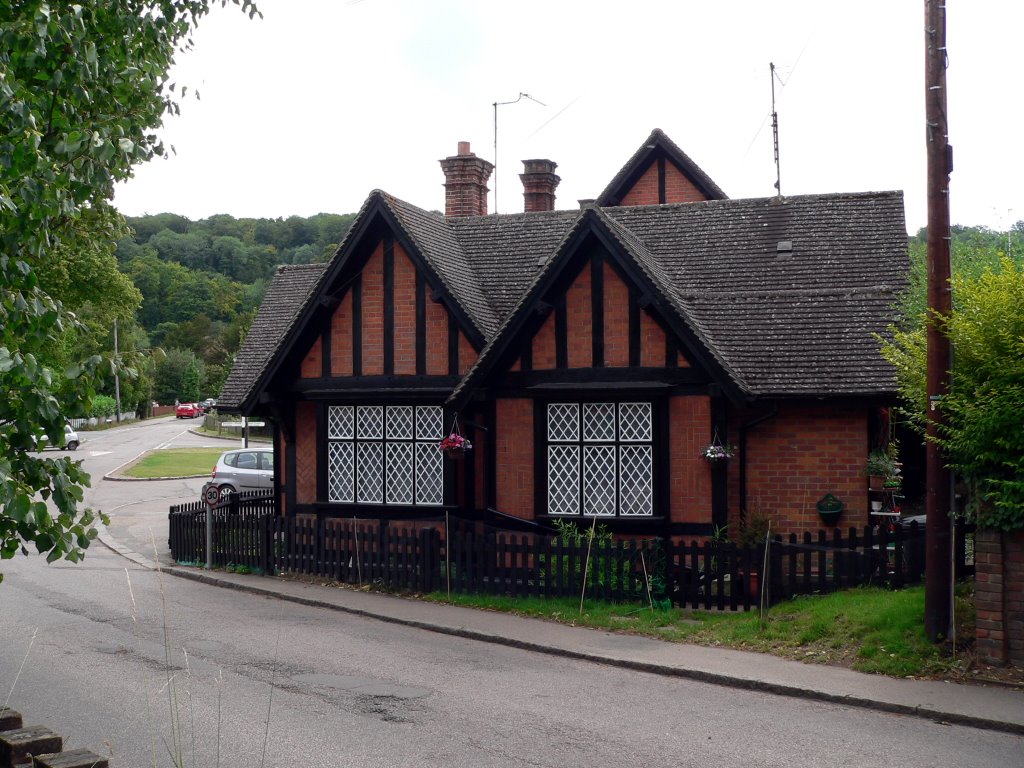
455 445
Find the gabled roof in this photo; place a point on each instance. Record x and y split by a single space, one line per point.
286 295
657 144
775 297
799 322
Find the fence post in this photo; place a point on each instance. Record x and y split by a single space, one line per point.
263 537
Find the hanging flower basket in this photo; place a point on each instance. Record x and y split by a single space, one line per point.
717 453
455 446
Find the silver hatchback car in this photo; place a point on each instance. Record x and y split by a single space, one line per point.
244 469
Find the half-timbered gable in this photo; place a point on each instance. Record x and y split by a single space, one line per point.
659 173
591 356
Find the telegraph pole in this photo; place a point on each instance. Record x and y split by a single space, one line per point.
938 568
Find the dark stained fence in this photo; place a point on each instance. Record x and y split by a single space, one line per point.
238 535
477 559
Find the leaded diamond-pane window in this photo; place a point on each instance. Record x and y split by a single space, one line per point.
385 454
340 471
598 421
340 422
600 459
563 422
429 422
636 471
635 422
369 422
400 422
563 479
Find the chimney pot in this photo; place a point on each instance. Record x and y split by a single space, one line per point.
539 183
465 183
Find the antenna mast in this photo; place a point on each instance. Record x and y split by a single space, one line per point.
497 104
775 132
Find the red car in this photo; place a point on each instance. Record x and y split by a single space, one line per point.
188 411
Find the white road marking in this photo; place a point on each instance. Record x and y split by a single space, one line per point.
99 453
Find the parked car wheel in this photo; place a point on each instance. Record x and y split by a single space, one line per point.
72 446
225 491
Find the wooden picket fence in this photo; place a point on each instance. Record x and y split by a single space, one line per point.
473 559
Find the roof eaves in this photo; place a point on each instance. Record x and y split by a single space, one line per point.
515 317
660 281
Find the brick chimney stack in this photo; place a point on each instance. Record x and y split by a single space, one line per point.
539 183
465 183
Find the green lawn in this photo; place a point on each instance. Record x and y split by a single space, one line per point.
868 629
175 462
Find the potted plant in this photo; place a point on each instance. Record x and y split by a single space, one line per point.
454 446
881 467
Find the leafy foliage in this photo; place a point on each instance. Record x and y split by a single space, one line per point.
984 432
82 87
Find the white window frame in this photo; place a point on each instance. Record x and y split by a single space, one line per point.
599 459
385 454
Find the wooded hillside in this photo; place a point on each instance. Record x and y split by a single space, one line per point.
201 283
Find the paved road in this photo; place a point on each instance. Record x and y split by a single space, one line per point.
347 691
138 510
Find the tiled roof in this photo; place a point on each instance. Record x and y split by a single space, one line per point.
799 322
285 297
796 322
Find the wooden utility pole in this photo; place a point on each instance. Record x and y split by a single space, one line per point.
938 566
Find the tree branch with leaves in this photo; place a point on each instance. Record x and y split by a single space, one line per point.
83 88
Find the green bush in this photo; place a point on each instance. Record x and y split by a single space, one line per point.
103 406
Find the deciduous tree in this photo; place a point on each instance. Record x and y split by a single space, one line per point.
83 87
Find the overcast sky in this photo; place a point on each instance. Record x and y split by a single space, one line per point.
310 108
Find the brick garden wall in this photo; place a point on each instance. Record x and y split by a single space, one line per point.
999 597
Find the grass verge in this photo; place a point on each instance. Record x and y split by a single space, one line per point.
868 629
175 462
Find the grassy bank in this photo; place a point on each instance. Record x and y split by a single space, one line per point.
869 629
175 462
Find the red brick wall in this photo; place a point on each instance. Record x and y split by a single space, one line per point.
404 337
467 355
690 481
544 345
678 187
513 433
341 337
616 320
311 365
404 313
579 344
999 597
645 191
437 339
373 313
305 453
798 456
652 342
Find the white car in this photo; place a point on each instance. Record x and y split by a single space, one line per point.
71 441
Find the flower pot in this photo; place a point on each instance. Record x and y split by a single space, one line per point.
455 454
876 482
830 516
